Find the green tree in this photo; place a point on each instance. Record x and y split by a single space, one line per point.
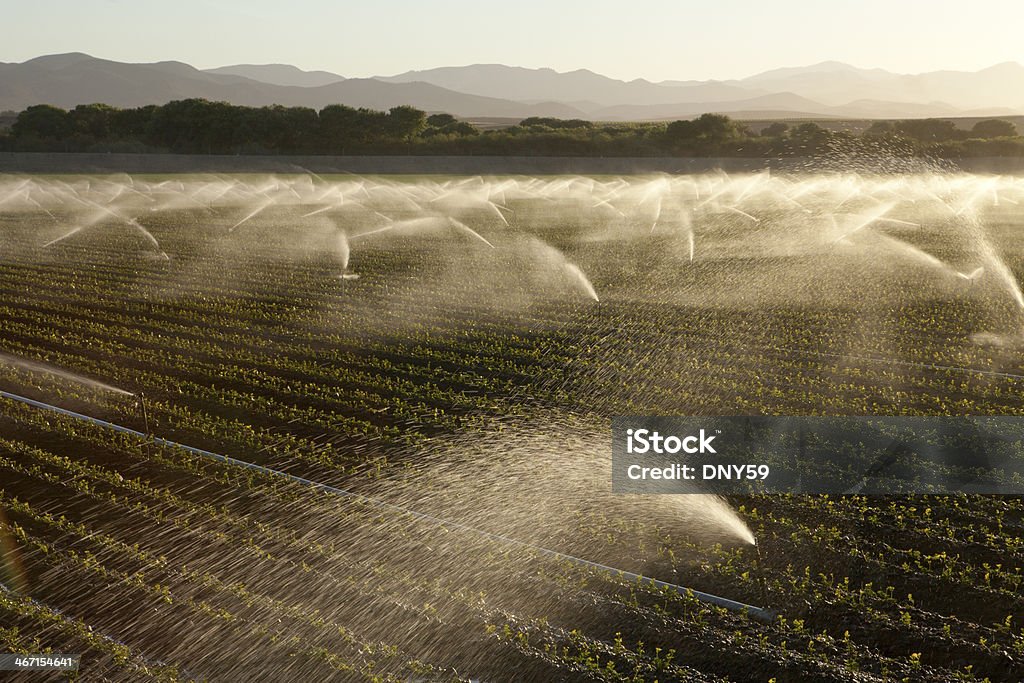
715 128
441 120
343 128
128 124
880 129
42 121
775 130
339 127
460 128
994 128
457 128
928 130
283 129
195 126
91 120
705 134
809 138
680 132
405 122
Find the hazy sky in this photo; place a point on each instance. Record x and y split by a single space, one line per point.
653 39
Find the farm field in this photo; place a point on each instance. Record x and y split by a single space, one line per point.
457 346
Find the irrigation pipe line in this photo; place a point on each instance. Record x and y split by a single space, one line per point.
759 613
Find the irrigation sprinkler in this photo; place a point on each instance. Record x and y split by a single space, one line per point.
764 580
759 613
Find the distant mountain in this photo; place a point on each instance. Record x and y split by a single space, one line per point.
867 109
827 69
533 85
825 89
828 89
278 74
1001 85
70 79
785 102
836 84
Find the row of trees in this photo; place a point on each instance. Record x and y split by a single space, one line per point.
943 130
197 126
203 127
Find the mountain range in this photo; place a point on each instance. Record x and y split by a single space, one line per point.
828 89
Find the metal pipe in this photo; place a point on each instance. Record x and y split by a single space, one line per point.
758 613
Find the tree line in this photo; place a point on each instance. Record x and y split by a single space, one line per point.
197 126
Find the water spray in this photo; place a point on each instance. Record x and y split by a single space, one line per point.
759 613
12 570
35 366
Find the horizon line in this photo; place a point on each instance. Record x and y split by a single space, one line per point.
527 68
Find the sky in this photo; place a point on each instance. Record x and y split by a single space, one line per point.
652 39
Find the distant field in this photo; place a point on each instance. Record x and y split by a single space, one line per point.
457 346
432 166
858 126
759 120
